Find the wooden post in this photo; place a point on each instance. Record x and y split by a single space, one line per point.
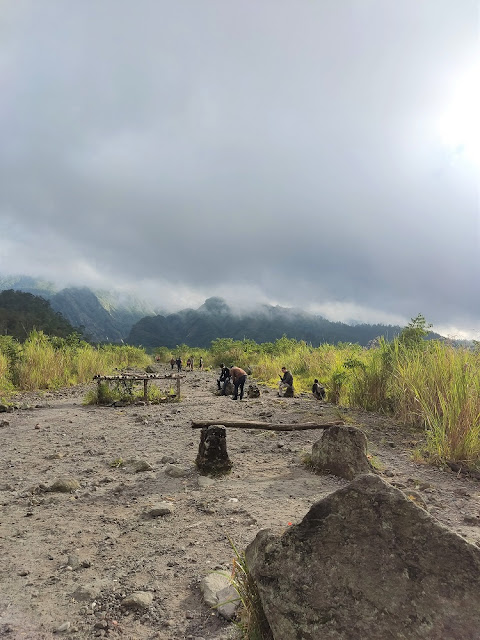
145 390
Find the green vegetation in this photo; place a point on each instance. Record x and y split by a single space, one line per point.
428 385
252 622
51 362
126 392
20 313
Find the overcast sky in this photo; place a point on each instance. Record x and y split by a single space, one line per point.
322 154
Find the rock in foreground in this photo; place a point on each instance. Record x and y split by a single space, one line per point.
365 562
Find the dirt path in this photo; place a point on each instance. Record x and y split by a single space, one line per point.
68 560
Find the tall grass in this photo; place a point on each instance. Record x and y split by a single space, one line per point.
42 362
428 385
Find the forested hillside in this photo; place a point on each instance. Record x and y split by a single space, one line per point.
105 316
22 312
214 319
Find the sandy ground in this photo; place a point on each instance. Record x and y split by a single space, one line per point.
69 559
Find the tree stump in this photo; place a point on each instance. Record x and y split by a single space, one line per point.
212 458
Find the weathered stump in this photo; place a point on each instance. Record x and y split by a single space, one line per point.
212 458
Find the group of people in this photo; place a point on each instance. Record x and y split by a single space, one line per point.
190 363
237 376
285 386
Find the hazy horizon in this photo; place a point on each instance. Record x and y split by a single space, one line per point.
316 155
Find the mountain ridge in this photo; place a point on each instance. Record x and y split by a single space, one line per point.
215 319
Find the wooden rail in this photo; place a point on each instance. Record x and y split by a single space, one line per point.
250 424
138 378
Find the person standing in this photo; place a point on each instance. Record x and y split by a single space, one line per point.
239 377
179 363
200 363
172 363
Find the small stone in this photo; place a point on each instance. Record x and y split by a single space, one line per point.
168 460
73 562
65 626
85 593
141 465
388 473
472 519
138 600
65 485
205 481
174 471
162 509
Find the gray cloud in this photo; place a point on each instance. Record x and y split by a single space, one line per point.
276 150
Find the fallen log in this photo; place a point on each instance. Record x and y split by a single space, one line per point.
250 424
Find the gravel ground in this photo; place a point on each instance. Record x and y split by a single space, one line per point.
69 560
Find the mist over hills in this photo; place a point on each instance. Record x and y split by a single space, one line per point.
103 316
215 319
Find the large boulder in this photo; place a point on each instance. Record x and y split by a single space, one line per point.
341 451
366 562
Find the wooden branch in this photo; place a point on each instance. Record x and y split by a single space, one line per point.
135 378
250 424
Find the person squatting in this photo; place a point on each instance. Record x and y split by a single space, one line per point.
223 379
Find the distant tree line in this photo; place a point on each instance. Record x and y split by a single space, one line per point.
21 313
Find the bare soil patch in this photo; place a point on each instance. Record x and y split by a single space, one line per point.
69 559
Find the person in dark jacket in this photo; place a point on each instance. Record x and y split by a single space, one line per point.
224 378
239 377
285 386
318 390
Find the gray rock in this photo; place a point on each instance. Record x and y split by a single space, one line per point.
73 561
228 602
138 600
174 471
253 391
138 466
86 593
211 584
205 481
64 485
168 460
341 451
218 592
5 408
161 509
366 562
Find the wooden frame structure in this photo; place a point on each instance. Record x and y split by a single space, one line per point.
138 378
